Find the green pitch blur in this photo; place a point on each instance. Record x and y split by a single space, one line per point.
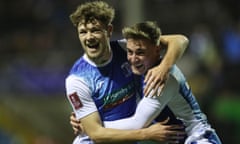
35 119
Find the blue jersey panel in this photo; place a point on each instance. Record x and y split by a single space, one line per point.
112 85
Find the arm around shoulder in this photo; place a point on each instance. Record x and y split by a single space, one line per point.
176 46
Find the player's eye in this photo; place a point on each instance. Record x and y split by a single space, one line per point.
82 32
129 52
96 31
141 52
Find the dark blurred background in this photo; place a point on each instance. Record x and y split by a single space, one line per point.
38 45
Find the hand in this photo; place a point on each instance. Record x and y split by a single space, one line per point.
168 133
155 80
76 124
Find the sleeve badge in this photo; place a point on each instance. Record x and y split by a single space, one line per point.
75 100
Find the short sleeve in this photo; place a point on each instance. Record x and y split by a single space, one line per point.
80 96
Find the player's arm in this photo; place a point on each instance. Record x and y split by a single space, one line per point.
148 108
157 132
156 77
93 127
86 111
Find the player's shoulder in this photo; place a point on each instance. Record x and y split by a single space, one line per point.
75 81
119 43
72 78
82 65
176 73
122 42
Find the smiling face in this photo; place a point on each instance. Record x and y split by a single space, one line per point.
94 38
142 55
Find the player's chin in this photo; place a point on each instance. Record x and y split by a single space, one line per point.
137 71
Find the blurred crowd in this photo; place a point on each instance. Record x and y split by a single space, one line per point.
37 42
38 45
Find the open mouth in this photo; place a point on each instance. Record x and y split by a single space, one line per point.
138 66
93 46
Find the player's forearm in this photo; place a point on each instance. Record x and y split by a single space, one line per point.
107 135
93 127
147 110
176 45
157 132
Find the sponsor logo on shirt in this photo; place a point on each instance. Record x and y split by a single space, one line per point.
118 102
119 96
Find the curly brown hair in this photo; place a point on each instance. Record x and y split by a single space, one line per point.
91 11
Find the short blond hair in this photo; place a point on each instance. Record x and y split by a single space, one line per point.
145 30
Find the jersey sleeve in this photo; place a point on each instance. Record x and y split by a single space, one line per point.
148 108
79 96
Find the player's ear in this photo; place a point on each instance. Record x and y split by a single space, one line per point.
110 30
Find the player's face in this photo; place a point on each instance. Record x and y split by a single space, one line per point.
141 54
94 38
